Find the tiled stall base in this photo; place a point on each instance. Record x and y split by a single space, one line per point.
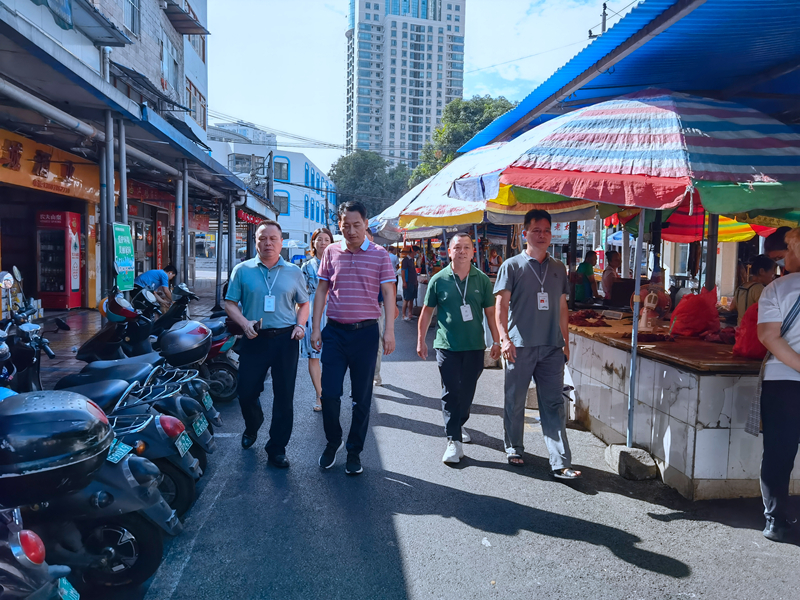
692 424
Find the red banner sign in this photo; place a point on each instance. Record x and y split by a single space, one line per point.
159 248
247 217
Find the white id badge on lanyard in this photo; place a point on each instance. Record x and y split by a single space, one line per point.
466 312
269 299
543 301
466 309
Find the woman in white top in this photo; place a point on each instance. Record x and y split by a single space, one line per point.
320 239
778 307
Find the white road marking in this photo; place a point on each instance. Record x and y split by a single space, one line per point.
180 552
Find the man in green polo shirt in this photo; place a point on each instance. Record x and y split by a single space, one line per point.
463 295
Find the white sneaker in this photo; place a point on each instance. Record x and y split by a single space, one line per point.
465 436
377 381
452 453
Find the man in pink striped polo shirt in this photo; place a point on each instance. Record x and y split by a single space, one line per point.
351 274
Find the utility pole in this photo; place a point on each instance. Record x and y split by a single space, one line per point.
603 24
271 179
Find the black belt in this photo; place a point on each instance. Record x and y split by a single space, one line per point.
352 326
271 333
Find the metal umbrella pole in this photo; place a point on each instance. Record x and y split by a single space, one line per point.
637 271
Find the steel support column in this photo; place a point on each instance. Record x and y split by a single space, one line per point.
123 173
231 237
178 237
102 228
108 245
185 217
218 254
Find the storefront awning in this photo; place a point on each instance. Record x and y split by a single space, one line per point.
181 20
96 26
715 48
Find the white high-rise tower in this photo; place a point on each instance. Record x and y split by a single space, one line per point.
405 62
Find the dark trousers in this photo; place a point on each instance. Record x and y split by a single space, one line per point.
460 372
258 356
780 422
357 350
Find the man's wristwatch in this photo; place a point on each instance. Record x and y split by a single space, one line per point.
496 344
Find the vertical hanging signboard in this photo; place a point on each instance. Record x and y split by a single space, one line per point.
124 257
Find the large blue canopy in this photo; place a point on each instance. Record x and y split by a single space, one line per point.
739 50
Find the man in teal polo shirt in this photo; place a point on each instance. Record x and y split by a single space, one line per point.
273 313
463 295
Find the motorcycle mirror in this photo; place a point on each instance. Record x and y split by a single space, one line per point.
61 325
6 280
17 274
150 296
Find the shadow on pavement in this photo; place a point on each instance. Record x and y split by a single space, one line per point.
504 517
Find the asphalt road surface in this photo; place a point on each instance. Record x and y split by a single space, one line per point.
410 527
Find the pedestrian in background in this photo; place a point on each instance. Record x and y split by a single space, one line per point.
274 310
463 294
779 331
533 321
613 263
585 284
320 239
350 275
762 272
408 270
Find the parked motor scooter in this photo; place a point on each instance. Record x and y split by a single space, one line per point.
94 503
184 346
220 369
180 470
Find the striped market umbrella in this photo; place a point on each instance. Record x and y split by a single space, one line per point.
651 149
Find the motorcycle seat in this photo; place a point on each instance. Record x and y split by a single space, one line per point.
130 373
217 326
152 358
103 393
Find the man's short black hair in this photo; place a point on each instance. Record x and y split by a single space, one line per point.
170 269
537 215
590 253
762 262
775 241
352 206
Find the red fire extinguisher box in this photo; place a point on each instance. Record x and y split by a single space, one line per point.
58 248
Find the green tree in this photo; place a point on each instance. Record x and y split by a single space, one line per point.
364 176
461 120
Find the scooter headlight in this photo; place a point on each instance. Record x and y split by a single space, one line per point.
101 499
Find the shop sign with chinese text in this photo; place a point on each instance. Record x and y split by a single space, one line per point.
25 163
124 257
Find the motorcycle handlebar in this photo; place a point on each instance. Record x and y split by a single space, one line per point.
47 349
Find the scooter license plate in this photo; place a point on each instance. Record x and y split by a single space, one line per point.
66 591
207 402
118 451
183 443
234 358
200 425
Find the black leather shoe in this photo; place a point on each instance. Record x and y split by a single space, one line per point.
279 460
248 440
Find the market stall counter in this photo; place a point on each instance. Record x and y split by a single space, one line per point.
691 403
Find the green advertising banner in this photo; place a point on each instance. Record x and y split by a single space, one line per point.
124 257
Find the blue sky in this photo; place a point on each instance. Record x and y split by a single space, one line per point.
281 63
